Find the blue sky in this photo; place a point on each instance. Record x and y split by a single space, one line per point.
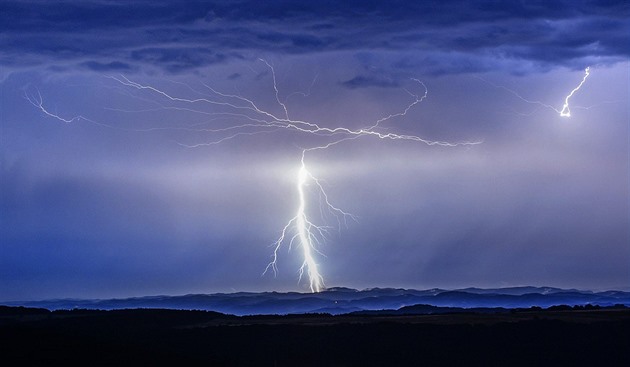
118 202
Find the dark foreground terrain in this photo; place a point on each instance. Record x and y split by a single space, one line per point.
533 337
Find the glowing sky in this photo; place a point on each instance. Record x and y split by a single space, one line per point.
114 207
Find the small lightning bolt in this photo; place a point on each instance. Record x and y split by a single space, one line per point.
565 108
36 100
300 230
564 112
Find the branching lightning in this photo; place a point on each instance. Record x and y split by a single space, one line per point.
300 230
36 100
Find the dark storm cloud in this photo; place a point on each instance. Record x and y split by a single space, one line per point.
234 76
178 59
369 81
106 66
175 36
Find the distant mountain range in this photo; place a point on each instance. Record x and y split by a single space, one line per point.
345 300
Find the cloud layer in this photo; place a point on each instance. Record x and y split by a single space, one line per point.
439 36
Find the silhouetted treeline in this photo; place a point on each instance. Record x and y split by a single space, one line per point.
559 337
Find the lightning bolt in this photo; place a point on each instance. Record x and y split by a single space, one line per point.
565 108
564 111
36 100
301 230
307 234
